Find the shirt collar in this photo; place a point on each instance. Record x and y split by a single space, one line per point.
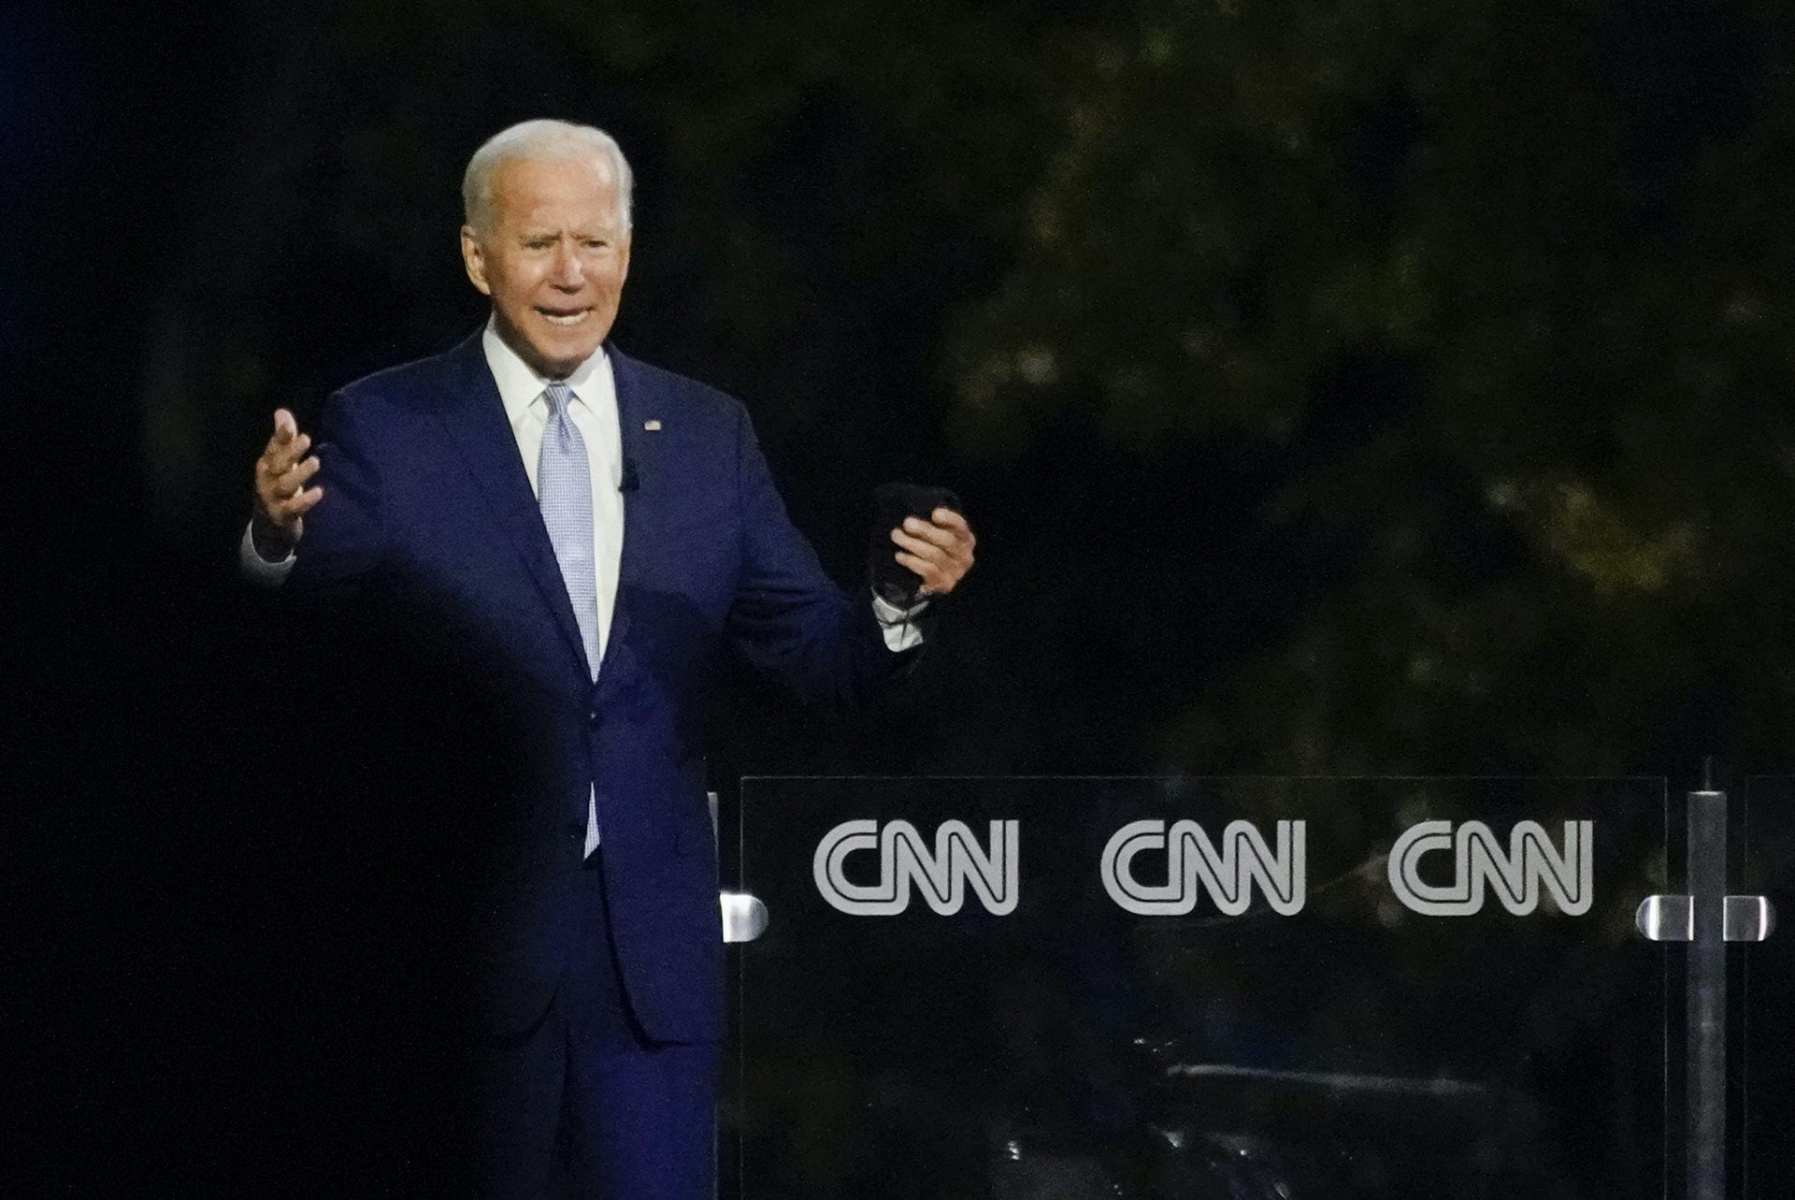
519 384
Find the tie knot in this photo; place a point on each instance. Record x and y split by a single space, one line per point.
558 395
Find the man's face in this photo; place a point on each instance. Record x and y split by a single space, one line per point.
553 258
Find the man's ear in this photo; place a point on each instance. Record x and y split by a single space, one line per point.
474 260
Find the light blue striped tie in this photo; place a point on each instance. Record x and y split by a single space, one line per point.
564 488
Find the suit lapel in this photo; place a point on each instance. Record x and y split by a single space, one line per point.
632 403
475 419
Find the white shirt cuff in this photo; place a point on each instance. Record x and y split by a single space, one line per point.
896 623
257 569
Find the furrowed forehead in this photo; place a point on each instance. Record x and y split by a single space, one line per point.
578 218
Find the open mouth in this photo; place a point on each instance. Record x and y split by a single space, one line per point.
564 318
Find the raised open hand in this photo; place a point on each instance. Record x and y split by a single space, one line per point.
282 499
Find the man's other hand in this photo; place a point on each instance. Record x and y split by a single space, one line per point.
282 499
939 550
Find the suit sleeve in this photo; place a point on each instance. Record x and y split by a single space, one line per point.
789 619
345 535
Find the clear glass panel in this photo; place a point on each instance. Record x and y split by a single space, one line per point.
1072 988
1764 1070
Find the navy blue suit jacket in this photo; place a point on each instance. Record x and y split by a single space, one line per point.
429 516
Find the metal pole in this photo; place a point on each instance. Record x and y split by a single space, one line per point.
1706 993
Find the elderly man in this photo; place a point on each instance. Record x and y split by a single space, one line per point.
561 540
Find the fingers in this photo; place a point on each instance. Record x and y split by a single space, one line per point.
929 572
938 579
941 533
281 449
282 472
939 550
919 547
925 534
291 481
285 447
291 496
952 520
300 504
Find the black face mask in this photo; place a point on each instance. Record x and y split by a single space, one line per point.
892 502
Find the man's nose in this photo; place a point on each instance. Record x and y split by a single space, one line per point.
566 271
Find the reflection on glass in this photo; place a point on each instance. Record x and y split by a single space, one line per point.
1285 988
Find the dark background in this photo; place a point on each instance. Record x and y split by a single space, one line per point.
1355 387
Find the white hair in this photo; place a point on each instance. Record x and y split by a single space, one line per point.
540 139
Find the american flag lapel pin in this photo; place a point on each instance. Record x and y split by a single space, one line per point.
652 425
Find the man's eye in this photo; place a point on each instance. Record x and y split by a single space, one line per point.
538 244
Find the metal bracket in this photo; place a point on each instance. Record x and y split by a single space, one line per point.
1749 918
744 917
1671 918
1666 918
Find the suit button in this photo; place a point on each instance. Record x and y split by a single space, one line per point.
592 718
